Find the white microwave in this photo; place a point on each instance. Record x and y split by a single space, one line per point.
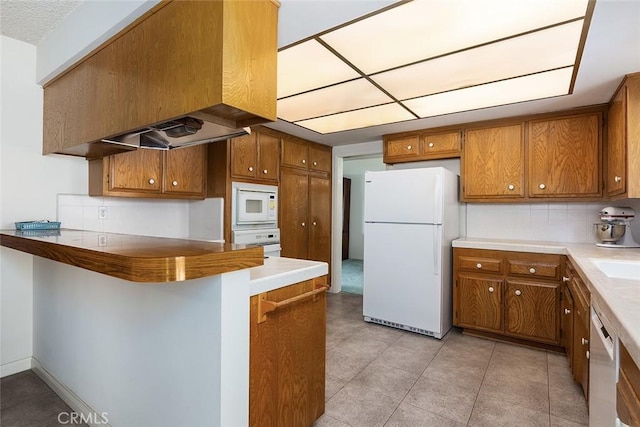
254 205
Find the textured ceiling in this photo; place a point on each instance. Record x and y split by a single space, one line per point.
30 20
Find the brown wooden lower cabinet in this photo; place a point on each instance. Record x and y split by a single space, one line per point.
287 355
576 337
628 389
492 297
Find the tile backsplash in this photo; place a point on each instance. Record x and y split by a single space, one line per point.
556 222
149 217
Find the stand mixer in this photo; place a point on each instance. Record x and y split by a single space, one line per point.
614 231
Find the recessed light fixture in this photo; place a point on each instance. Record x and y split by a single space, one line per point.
430 57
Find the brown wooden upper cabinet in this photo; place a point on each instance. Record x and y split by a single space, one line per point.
412 147
255 157
150 173
623 142
213 57
565 157
492 163
301 154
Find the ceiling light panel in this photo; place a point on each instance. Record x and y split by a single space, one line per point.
425 29
310 65
540 51
371 116
528 88
330 100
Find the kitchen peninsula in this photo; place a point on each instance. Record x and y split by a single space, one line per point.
151 331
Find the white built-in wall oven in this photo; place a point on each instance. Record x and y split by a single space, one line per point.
254 216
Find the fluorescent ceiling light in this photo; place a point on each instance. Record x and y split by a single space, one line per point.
432 57
334 99
310 65
540 51
536 86
371 116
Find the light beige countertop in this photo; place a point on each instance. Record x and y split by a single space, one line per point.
277 272
618 298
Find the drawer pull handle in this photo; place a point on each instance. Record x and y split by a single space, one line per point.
511 187
491 289
303 224
265 171
585 341
587 354
567 311
431 145
565 279
518 292
617 178
304 162
408 147
478 265
152 181
315 163
532 270
315 223
265 306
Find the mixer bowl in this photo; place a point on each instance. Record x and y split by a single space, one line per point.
609 233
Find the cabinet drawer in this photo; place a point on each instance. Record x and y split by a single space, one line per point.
480 264
546 270
441 143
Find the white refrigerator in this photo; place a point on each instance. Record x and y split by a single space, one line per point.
411 216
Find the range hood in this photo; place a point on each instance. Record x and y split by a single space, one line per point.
194 129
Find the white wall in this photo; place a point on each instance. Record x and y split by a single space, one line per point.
29 183
354 168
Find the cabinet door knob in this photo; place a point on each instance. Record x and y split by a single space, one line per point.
532 270
565 279
491 289
315 163
542 186
567 311
174 183
152 181
511 187
518 292
315 223
304 162
478 265
617 178
431 145
250 168
408 147
587 354
303 224
265 171
585 341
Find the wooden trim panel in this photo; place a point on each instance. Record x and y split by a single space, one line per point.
136 258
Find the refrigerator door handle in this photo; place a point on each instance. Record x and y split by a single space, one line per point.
437 202
436 250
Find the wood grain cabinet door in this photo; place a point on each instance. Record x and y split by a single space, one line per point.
532 310
564 157
295 153
294 215
493 163
268 157
441 145
566 322
319 159
617 144
244 159
478 303
320 218
137 171
404 148
185 171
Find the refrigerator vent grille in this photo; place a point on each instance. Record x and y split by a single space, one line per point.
399 326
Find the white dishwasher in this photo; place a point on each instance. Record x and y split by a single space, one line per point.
603 370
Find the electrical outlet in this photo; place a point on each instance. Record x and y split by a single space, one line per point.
102 240
102 212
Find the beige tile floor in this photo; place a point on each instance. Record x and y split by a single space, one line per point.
379 376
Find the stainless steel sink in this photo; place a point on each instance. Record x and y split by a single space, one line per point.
618 269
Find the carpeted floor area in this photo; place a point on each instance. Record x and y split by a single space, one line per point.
352 276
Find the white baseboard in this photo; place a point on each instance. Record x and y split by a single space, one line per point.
15 367
91 416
